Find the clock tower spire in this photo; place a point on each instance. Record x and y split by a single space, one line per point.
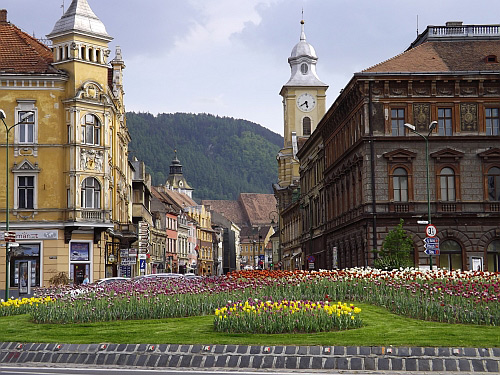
304 104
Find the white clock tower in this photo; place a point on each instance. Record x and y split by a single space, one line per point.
304 104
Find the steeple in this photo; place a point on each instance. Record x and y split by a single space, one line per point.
303 63
176 180
80 19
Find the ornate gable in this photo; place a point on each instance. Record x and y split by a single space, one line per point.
447 155
400 155
25 167
492 155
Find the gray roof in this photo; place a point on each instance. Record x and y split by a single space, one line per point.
303 53
80 18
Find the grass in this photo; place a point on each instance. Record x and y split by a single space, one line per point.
381 328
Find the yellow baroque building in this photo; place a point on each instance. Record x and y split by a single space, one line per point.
69 180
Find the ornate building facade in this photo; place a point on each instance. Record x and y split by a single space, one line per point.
376 167
70 182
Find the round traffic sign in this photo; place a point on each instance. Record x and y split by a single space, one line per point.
430 230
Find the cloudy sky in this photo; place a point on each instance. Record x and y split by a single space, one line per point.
229 57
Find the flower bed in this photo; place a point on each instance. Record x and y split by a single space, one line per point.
254 316
22 305
444 296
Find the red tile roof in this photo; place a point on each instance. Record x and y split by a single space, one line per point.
21 53
443 56
249 210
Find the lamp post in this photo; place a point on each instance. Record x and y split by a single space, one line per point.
432 126
7 244
253 251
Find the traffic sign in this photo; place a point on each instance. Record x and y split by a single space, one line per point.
432 251
431 245
430 240
311 259
430 230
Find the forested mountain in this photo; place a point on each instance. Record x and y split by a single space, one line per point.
221 156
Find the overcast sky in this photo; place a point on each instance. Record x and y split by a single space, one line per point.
229 57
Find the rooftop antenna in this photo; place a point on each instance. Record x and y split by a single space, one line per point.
417 24
62 6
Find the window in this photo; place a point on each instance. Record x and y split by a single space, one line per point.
492 121
25 192
91 130
400 185
304 68
91 193
398 121
450 257
493 256
24 253
306 126
494 184
26 127
447 184
445 125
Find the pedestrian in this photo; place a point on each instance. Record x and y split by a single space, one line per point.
86 280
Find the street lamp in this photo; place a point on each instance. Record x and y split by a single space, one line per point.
7 244
432 126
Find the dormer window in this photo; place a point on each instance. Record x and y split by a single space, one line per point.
304 68
491 59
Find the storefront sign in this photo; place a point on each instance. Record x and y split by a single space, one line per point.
124 253
34 235
132 252
128 261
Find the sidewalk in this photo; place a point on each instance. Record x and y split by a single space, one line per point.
400 359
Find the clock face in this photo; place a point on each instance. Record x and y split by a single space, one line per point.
306 102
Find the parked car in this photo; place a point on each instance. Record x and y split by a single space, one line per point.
192 276
158 276
109 280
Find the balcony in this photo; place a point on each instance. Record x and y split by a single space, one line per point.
89 215
492 206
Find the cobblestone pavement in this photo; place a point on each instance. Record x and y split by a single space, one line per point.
339 359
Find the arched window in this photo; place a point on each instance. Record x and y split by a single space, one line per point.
447 184
493 256
450 257
91 130
400 185
494 184
91 193
306 126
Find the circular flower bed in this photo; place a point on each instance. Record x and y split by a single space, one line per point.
255 316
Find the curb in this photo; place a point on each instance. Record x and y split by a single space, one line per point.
255 357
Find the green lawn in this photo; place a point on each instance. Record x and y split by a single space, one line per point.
381 328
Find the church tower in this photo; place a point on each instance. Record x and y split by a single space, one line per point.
176 180
304 104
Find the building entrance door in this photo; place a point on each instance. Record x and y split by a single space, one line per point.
79 270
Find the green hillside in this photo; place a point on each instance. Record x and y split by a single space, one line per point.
221 156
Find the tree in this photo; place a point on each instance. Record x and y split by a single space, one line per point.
396 250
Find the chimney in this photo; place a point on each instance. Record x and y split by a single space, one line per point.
3 15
